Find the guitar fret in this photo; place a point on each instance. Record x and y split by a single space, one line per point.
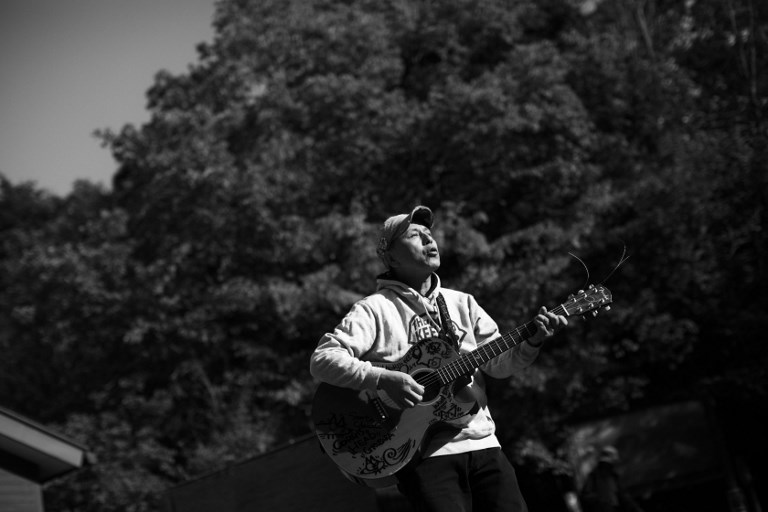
530 331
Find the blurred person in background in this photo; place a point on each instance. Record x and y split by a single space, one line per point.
602 491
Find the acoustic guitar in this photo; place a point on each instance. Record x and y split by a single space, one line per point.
370 439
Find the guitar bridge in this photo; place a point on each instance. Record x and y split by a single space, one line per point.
378 406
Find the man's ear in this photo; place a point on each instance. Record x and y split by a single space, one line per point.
389 260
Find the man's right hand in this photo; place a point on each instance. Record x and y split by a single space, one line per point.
401 388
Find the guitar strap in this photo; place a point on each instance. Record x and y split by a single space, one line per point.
445 318
450 334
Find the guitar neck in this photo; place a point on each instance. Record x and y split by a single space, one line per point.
469 362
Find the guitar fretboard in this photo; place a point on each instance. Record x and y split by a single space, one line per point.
468 362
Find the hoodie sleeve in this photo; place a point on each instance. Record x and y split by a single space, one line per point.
337 358
510 361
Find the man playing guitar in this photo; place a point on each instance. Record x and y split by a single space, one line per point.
371 351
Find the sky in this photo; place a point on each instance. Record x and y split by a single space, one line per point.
71 67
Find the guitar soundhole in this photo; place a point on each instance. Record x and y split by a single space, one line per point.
431 382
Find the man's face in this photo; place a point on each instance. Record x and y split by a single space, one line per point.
415 251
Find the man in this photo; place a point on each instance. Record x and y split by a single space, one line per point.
602 491
461 469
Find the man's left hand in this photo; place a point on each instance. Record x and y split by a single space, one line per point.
547 324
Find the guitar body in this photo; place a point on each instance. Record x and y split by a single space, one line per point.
368 437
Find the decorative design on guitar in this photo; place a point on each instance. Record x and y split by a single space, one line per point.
363 436
427 354
375 465
439 351
445 409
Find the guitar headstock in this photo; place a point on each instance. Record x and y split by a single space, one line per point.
594 298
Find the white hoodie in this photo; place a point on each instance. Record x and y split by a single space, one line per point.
385 325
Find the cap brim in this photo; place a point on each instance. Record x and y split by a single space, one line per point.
421 215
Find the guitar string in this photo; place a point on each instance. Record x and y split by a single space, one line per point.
586 269
462 365
622 260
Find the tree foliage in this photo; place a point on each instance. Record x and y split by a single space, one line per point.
166 323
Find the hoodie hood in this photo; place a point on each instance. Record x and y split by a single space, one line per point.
418 302
385 282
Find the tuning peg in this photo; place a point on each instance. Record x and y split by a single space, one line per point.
607 308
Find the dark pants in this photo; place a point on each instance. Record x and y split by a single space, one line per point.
483 481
